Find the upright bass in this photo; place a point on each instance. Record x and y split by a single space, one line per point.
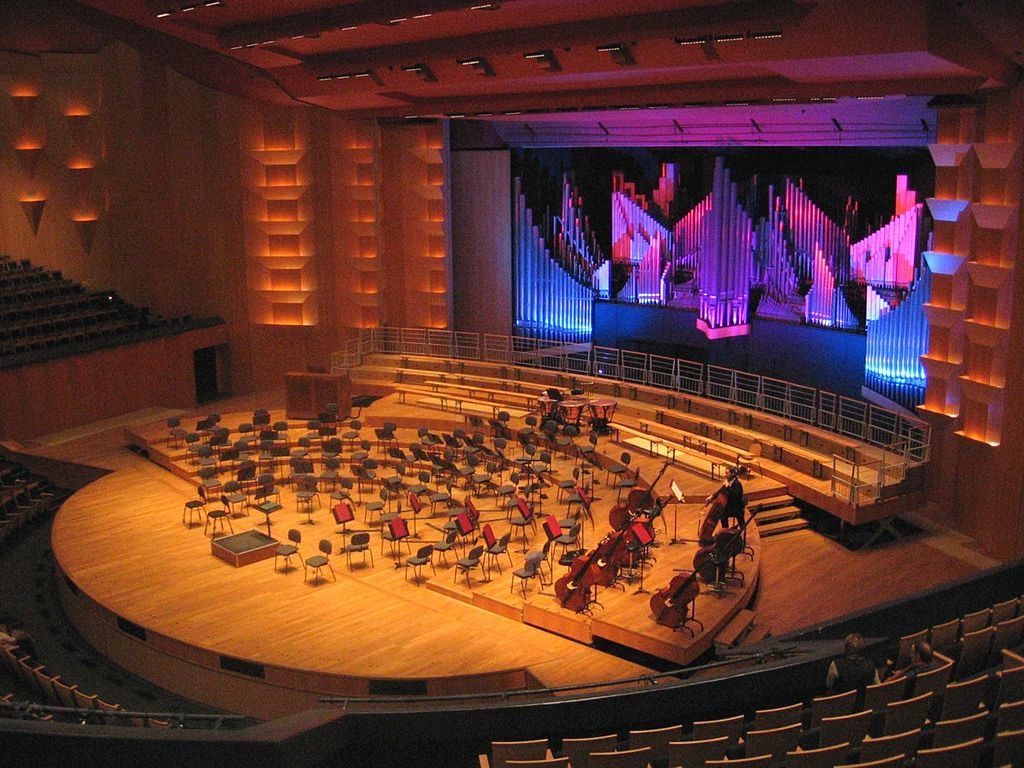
638 501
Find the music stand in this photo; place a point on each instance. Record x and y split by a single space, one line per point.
680 499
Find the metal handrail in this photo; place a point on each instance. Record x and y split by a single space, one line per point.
881 427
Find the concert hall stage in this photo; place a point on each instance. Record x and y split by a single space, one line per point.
268 639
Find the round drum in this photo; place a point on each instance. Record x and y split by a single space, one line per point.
572 410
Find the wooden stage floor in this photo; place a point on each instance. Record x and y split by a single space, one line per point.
266 643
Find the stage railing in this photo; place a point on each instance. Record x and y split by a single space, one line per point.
895 432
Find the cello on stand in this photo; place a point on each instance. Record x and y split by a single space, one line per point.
673 606
711 559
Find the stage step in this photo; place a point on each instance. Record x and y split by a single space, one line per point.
735 630
776 514
761 506
783 526
757 633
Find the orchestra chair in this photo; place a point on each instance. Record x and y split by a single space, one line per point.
822 757
773 741
623 758
469 562
619 469
358 542
627 481
395 533
234 498
778 717
906 714
345 492
964 755
529 570
831 706
850 728
880 747
730 727
306 493
523 519
657 739
319 562
424 556
287 550
446 545
964 698
330 473
495 550
943 636
215 518
1009 748
1010 716
503 751
578 750
959 730
343 515
194 507
974 652
176 433
694 753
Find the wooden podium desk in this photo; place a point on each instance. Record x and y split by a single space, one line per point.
306 394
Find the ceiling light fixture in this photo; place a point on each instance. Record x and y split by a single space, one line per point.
479 65
422 71
546 59
773 34
620 53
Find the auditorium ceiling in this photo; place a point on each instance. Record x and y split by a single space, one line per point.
392 58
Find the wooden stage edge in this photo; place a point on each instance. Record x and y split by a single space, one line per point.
146 590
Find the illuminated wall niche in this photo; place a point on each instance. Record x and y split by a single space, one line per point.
976 210
28 140
426 261
356 187
279 223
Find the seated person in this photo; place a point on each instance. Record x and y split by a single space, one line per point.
853 671
922 659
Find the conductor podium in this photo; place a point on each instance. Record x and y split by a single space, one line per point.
306 394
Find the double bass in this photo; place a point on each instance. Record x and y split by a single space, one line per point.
638 502
671 605
719 503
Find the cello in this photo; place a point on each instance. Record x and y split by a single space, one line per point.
671 605
573 588
726 544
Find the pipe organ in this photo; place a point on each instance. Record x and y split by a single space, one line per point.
725 261
553 293
896 341
641 242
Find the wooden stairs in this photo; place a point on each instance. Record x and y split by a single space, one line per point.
742 628
777 515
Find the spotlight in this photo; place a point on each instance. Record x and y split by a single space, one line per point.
479 65
422 71
546 59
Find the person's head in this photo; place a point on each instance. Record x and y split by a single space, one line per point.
854 644
922 650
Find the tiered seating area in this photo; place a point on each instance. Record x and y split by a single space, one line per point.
43 313
967 711
24 496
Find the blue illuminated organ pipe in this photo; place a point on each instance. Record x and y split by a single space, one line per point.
898 338
553 292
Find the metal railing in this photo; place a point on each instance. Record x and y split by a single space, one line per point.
895 432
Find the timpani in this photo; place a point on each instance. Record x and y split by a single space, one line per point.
571 410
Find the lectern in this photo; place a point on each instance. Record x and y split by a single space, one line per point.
306 394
